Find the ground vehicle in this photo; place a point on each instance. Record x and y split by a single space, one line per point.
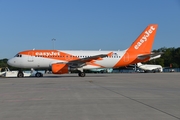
8 73
101 70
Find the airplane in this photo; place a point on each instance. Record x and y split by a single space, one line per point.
65 61
149 67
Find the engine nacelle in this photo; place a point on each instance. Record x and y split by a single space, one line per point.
59 68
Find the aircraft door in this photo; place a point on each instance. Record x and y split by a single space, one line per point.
126 57
30 56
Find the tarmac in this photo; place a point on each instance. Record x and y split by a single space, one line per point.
120 96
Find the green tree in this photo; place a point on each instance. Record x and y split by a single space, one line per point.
177 56
3 63
170 57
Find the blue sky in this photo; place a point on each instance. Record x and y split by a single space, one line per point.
85 24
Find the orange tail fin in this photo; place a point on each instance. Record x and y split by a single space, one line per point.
140 47
144 42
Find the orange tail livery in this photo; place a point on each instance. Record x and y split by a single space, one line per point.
65 61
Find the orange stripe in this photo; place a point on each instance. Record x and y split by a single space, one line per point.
53 54
56 55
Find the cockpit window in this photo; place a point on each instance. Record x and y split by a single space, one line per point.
18 55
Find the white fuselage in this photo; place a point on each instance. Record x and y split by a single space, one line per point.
27 61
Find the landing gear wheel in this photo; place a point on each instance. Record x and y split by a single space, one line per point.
20 74
82 74
38 74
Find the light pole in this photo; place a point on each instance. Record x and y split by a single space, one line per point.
53 42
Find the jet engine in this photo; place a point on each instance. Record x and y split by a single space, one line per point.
60 68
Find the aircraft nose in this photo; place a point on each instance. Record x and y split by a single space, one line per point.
11 62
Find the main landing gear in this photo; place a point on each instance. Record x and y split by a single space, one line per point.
81 74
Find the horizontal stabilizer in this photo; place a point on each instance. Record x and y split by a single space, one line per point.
152 56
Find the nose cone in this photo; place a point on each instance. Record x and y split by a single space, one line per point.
15 62
11 62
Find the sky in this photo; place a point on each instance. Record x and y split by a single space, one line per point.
85 24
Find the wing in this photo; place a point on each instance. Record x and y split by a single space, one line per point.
88 59
82 61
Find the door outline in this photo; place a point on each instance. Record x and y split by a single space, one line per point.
30 56
126 57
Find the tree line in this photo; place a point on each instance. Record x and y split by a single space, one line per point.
170 58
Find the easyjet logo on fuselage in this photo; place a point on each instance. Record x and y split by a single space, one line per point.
47 54
144 38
